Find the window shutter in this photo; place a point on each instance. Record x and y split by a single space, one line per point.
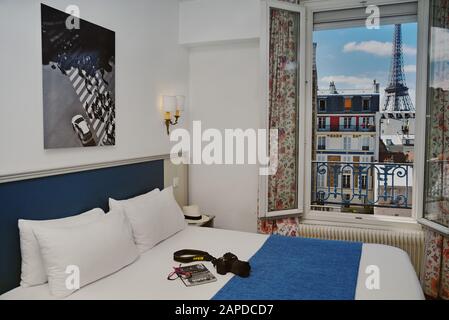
357 17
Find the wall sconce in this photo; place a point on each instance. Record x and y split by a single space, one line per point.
172 105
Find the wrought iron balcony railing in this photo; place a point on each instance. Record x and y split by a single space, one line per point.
351 128
371 184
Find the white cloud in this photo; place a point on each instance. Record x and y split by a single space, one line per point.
439 53
439 50
410 68
382 49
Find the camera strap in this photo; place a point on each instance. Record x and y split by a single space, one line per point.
190 255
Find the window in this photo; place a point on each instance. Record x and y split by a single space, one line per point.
322 123
436 191
346 181
322 104
347 143
359 77
365 143
340 30
321 177
321 143
366 104
364 182
348 104
283 33
320 180
365 122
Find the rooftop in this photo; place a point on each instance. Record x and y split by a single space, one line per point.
343 92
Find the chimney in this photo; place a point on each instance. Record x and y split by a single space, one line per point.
376 86
332 88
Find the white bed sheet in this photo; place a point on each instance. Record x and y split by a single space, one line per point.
146 279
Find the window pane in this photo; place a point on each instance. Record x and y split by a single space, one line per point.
437 144
367 79
283 107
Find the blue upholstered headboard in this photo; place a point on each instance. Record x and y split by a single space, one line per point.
62 196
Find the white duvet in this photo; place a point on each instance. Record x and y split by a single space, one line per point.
147 277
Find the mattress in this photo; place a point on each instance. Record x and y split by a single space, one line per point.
146 279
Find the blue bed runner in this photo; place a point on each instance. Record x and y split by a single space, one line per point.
293 268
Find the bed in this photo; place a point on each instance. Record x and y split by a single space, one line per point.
146 278
58 196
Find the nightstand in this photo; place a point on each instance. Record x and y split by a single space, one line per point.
206 224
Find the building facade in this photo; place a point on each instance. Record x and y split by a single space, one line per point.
345 141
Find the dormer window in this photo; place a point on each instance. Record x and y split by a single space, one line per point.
348 104
366 104
322 104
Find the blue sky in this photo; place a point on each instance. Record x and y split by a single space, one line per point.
354 57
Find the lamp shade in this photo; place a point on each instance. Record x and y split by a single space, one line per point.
168 103
180 102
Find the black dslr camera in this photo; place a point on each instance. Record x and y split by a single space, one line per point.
230 263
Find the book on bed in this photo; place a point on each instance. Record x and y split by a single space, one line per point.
199 275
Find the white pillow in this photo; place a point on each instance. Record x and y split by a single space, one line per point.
153 218
96 249
142 196
33 269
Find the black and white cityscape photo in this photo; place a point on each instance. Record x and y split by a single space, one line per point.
78 67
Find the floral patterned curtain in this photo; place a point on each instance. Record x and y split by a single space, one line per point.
283 109
435 276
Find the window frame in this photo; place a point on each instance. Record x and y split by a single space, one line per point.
347 104
306 10
366 143
420 135
363 103
264 53
365 121
321 122
364 181
371 221
319 104
322 138
346 181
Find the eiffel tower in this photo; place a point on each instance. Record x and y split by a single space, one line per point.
397 99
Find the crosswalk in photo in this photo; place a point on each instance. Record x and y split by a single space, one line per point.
87 89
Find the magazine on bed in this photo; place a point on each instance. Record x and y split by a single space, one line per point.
199 275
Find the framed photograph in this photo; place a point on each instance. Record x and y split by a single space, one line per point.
78 70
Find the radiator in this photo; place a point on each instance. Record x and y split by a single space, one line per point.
411 242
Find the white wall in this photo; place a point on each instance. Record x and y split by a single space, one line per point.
224 94
218 20
149 63
224 91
